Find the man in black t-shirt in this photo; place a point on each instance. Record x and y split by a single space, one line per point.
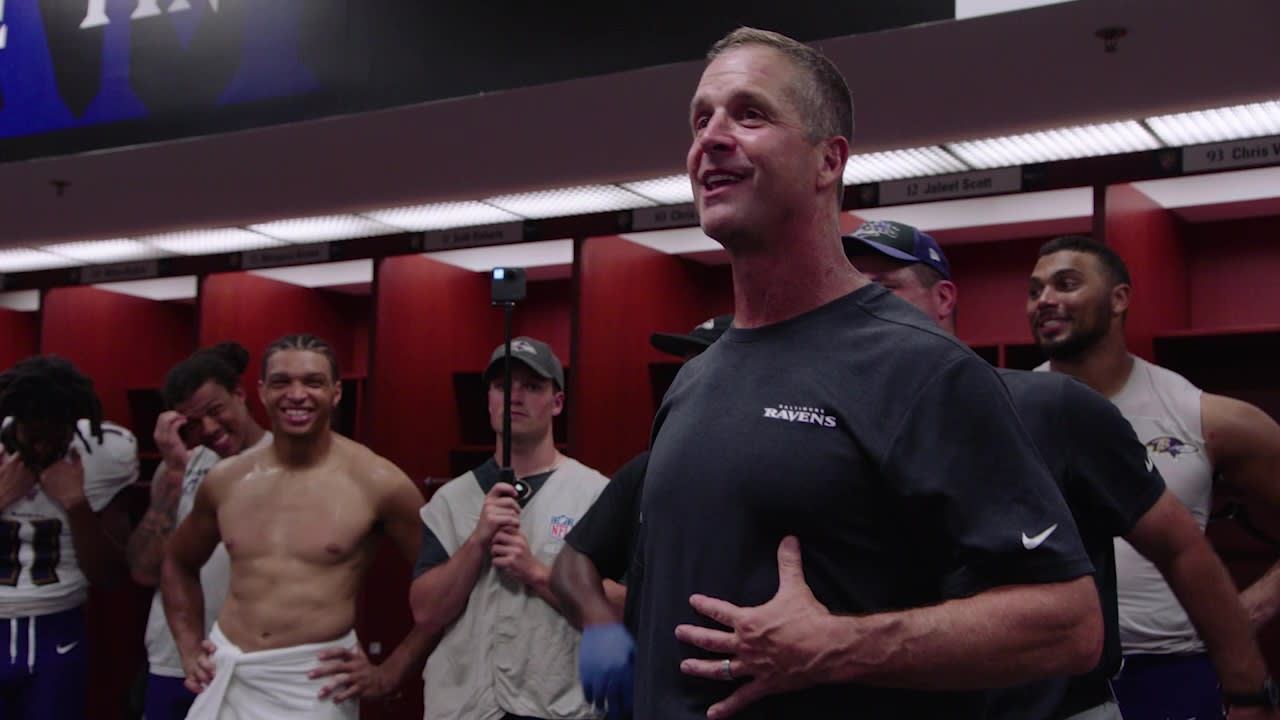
601 546
834 420
1105 475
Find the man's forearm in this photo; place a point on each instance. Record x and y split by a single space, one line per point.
145 550
541 586
438 596
11 493
1005 636
1261 600
183 605
576 581
412 651
1206 592
97 553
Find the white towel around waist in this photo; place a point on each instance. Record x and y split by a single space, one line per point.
269 684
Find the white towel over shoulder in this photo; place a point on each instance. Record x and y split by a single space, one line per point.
269 684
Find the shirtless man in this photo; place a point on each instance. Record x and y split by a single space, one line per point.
301 519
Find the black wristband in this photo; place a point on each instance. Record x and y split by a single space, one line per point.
1268 696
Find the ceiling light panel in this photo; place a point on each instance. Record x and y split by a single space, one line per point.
209 242
570 201
679 241
1217 124
106 251
670 190
989 211
966 9
21 300
25 260
442 216
529 254
323 228
896 164
1213 189
349 272
182 287
1057 144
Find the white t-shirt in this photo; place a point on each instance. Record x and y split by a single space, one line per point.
162 652
34 530
1164 409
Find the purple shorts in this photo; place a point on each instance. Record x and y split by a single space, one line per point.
44 667
1155 687
167 698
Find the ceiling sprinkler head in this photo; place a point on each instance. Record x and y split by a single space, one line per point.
1110 37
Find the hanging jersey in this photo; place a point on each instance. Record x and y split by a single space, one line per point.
1164 409
39 572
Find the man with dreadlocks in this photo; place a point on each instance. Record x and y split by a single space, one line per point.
62 526
301 518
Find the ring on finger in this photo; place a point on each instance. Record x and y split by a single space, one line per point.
725 670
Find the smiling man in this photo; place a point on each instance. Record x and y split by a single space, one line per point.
301 518
1079 294
892 461
206 406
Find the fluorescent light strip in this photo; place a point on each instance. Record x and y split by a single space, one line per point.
182 287
209 242
1217 124
106 251
679 241
988 211
1214 188
529 254
1178 129
442 216
896 164
21 300
27 260
348 272
323 228
564 202
966 9
1057 144
669 190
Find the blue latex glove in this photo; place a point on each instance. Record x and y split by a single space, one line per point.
606 664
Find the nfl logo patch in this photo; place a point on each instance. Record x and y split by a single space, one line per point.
560 526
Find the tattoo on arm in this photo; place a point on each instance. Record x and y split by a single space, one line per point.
146 544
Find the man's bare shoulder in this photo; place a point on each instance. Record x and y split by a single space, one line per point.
370 467
224 473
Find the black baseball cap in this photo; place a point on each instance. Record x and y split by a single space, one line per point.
698 339
898 241
533 353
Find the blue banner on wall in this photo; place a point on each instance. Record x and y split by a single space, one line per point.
86 74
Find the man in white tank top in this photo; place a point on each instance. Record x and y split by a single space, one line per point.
1078 297
206 406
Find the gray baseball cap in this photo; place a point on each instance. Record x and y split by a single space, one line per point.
536 354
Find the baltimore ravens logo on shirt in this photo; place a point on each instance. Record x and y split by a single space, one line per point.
1171 446
801 414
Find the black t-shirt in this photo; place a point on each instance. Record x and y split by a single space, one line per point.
891 451
1109 484
607 532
